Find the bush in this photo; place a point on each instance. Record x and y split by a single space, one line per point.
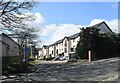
72 60
12 64
50 58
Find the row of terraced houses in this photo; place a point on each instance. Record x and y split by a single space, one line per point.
67 46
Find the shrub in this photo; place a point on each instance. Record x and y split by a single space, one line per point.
49 58
72 60
12 64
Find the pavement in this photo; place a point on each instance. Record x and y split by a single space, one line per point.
52 62
101 70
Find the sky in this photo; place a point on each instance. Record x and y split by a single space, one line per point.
76 12
58 19
54 20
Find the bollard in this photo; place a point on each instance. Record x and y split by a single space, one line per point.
89 55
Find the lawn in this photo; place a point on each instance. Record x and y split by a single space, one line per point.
32 62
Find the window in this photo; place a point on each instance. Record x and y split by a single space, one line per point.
72 49
73 40
52 52
65 50
65 42
57 51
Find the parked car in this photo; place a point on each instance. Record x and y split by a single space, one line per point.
60 58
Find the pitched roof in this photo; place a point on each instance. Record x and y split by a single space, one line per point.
45 46
102 29
57 42
74 36
61 40
5 35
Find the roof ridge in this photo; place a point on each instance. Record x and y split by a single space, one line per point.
98 24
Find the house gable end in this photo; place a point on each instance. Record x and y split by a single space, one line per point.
103 27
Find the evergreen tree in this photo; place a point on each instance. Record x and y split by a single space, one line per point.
102 45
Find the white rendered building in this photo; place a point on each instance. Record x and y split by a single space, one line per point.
67 46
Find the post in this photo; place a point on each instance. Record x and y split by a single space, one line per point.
31 50
89 55
24 55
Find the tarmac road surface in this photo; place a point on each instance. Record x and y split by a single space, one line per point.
102 70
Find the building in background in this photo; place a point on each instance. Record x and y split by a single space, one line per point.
44 53
66 47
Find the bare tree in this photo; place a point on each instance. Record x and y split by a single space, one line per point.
11 13
13 18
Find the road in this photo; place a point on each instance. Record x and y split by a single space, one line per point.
102 70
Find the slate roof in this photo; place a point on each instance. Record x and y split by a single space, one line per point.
102 29
74 36
70 37
98 24
57 42
5 35
45 46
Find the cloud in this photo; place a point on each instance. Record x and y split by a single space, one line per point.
38 21
48 29
54 32
49 33
39 18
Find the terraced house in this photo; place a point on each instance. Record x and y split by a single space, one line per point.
66 46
